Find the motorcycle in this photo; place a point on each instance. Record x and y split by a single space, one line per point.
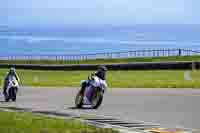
92 92
12 89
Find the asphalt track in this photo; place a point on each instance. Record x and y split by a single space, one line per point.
171 107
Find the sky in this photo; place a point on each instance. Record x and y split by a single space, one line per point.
98 12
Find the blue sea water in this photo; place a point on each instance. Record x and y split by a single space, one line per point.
98 40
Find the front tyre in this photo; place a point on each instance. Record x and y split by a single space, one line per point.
79 100
14 94
7 99
97 99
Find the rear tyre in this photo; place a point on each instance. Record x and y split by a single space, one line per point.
79 100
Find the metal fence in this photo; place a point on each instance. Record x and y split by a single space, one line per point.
106 55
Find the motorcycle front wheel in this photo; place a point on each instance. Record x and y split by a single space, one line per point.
97 99
13 94
79 100
14 97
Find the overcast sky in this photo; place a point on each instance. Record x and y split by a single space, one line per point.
116 12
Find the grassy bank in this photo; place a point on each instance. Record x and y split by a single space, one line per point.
12 122
105 61
126 79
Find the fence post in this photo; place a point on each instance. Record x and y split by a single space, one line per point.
154 53
111 56
135 53
158 53
179 52
56 58
163 52
143 53
168 52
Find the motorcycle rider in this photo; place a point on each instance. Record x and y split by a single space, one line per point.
100 73
12 72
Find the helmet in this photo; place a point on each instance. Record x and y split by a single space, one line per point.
102 69
12 70
101 72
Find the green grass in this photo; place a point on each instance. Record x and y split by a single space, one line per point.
105 61
12 122
115 79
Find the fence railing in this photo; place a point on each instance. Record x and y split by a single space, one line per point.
106 55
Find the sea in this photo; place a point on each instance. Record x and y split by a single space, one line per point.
97 39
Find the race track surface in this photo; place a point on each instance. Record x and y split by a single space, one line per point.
171 107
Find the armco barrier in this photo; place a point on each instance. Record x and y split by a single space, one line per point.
130 66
